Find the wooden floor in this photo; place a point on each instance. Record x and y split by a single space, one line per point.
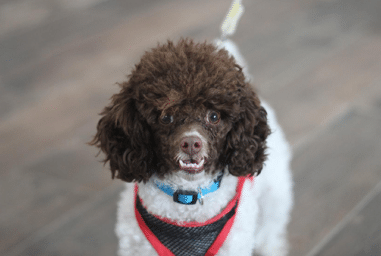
317 62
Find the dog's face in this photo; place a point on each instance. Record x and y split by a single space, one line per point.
185 108
189 136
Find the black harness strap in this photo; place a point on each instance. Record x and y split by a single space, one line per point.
184 241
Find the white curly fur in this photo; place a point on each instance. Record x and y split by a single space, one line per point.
264 209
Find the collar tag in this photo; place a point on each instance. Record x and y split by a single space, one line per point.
185 196
201 198
189 197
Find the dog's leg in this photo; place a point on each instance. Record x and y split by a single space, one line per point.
132 241
241 240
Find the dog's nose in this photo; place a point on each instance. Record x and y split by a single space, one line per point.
191 145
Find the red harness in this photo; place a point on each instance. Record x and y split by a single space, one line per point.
162 250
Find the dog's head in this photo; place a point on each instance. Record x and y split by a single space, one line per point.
184 107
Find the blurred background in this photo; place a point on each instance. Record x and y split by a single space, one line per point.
317 62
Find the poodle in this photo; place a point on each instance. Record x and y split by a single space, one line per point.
189 136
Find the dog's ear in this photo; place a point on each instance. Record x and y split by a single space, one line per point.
125 138
245 145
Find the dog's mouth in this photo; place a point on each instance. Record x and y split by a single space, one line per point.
191 165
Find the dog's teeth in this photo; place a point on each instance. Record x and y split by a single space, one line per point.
191 165
200 164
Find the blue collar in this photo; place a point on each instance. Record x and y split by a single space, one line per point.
188 196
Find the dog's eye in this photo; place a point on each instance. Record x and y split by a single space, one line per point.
213 117
167 119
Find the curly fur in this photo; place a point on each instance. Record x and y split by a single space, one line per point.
197 92
185 80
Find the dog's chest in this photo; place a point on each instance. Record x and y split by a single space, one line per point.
186 240
170 237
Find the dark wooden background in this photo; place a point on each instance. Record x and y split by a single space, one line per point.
317 62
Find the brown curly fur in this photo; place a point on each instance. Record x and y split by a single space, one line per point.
186 81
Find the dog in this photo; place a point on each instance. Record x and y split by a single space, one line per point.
189 136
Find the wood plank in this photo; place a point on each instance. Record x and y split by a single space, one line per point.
91 234
26 50
47 187
29 201
86 229
299 34
370 100
321 94
361 234
332 173
66 22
